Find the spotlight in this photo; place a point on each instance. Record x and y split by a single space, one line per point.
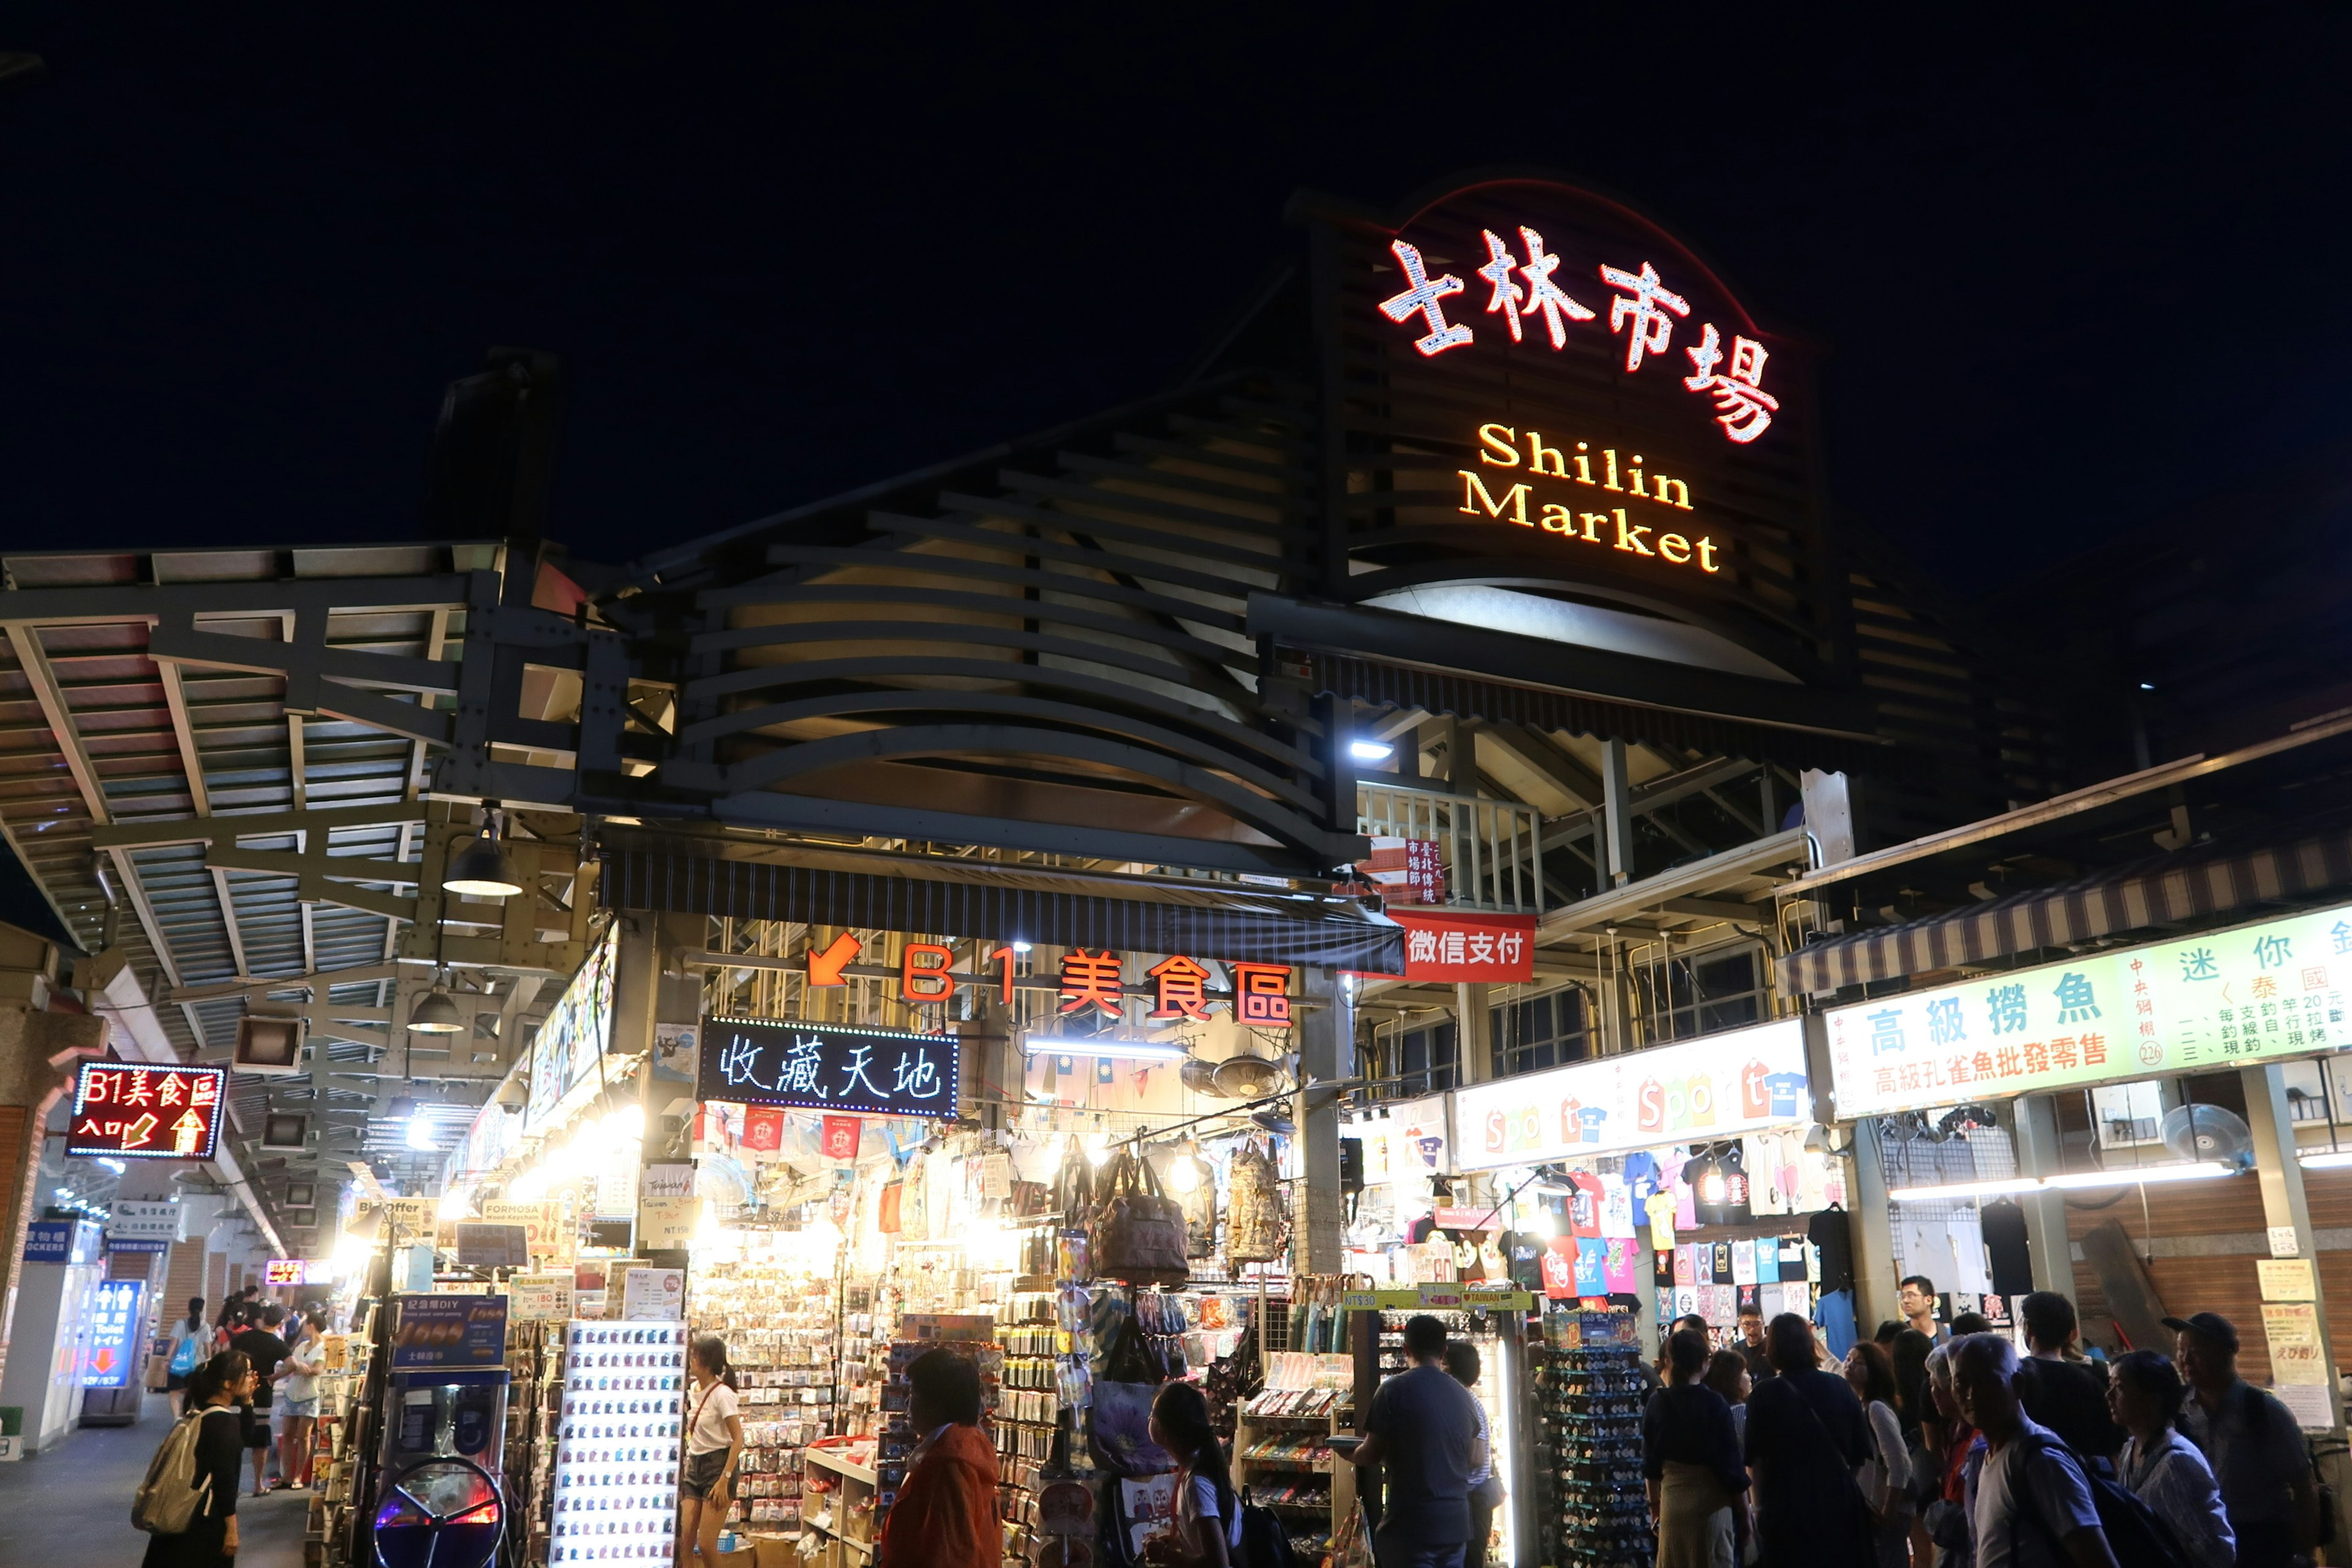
483 869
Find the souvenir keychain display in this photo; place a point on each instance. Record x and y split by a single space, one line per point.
617 1447
1593 1511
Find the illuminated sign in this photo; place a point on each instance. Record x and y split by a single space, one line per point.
828 1067
2207 1002
1555 507
113 1333
1450 948
278 1271
142 1112
572 1041
1643 311
1718 1087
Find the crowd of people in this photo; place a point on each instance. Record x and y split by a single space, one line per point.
285 1353
1936 1446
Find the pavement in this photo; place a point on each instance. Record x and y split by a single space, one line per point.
71 1503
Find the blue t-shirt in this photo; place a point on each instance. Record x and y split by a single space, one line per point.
1641 1177
1591 1267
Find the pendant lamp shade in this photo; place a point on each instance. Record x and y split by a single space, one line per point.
484 868
436 1014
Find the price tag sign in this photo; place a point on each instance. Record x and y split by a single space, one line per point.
2286 1279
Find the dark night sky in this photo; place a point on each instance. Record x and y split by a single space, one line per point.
2072 271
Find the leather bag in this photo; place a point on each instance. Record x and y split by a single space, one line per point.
1138 1232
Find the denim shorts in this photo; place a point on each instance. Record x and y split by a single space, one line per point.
305 1408
702 1472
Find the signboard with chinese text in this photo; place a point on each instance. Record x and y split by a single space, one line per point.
433 1332
139 1112
114 1327
829 1066
135 1220
541 1298
1716 1087
279 1271
1455 947
2224 999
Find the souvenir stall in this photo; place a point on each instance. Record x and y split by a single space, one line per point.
1668 1182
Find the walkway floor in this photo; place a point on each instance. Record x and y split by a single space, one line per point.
71 1505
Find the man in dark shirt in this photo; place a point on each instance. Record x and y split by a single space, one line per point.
1424 1426
265 1350
2257 1451
2067 1396
1751 1344
1806 1436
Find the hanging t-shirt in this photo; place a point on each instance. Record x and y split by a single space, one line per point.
1686 1300
1834 1244
1797 1257
1702 1177
2004 1241
1559 1270
1641 1175
1618 1267
1743 1262
1661 1209
1686 1264
1584 1205
1768 1259
1662 1268
1788 1156
1736 1186
1591 1267
1616 1208
1763 1193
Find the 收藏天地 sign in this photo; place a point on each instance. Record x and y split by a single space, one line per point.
829 1066
2252 994
127 1111
1721 1085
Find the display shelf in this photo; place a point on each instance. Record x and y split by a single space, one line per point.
827 1459
619 1441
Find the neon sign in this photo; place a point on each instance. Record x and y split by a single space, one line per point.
1521 503
828 1067
1643 311
140 1112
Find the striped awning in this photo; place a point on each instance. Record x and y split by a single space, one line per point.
1333 933
2165 890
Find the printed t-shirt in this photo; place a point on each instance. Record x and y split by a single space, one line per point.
1584 1207
1616 1208
1591 1267
1660 1207
1641 1175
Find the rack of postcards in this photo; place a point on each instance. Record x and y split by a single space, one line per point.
618 1443
342 1389
778 1320
1045 1343
534 1412
1593 1511
1282 1447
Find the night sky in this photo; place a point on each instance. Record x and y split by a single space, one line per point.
2073 272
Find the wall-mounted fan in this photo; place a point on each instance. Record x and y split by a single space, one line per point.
2208 1132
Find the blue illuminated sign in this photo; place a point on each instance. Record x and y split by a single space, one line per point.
113 1333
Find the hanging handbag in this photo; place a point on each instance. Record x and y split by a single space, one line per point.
1253 1208
1139 1234
1119 1414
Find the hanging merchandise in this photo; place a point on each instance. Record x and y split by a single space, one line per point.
1119 1422
887 1219
914 1214
1196 1189
1252 1207
1139 1232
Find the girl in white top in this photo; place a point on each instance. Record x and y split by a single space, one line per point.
714 1446
1886 1481
1208 1523
2167 1471
191 1340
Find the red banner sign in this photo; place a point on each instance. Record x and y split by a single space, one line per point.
1462 946
841 1135
131 1111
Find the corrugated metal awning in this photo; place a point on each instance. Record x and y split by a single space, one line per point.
2165 890
1333 933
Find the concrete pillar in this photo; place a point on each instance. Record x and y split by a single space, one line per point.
1326 1051
2280 1170
2033 1129
38 1053
1616 817
1871 1226
1473 1033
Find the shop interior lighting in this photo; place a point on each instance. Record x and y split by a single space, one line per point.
484 869
1036 1045
1371 751
2327 1160
436 1014
2126 1176
1020 947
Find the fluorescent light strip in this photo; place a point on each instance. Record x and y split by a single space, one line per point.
2135 1176
2327 1160
1117 1050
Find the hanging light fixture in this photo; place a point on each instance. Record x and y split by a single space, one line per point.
484 868
436 1014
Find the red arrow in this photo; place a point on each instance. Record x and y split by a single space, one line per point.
824 968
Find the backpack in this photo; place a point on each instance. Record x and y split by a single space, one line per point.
168 1502
184 1355
1264 1544
2134 1531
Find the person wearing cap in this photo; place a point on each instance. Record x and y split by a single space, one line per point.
2251 1440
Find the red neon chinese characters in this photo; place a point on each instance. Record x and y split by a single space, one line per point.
1743 407
1091 979
1182 993
1425 298
1262 995
1640 304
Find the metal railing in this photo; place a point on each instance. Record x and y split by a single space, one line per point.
1489 847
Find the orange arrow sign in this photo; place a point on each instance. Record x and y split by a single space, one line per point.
824 968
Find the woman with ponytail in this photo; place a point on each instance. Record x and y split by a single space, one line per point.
714 1446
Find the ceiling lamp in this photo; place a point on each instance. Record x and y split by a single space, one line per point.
436 1014
483 869
400 1110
